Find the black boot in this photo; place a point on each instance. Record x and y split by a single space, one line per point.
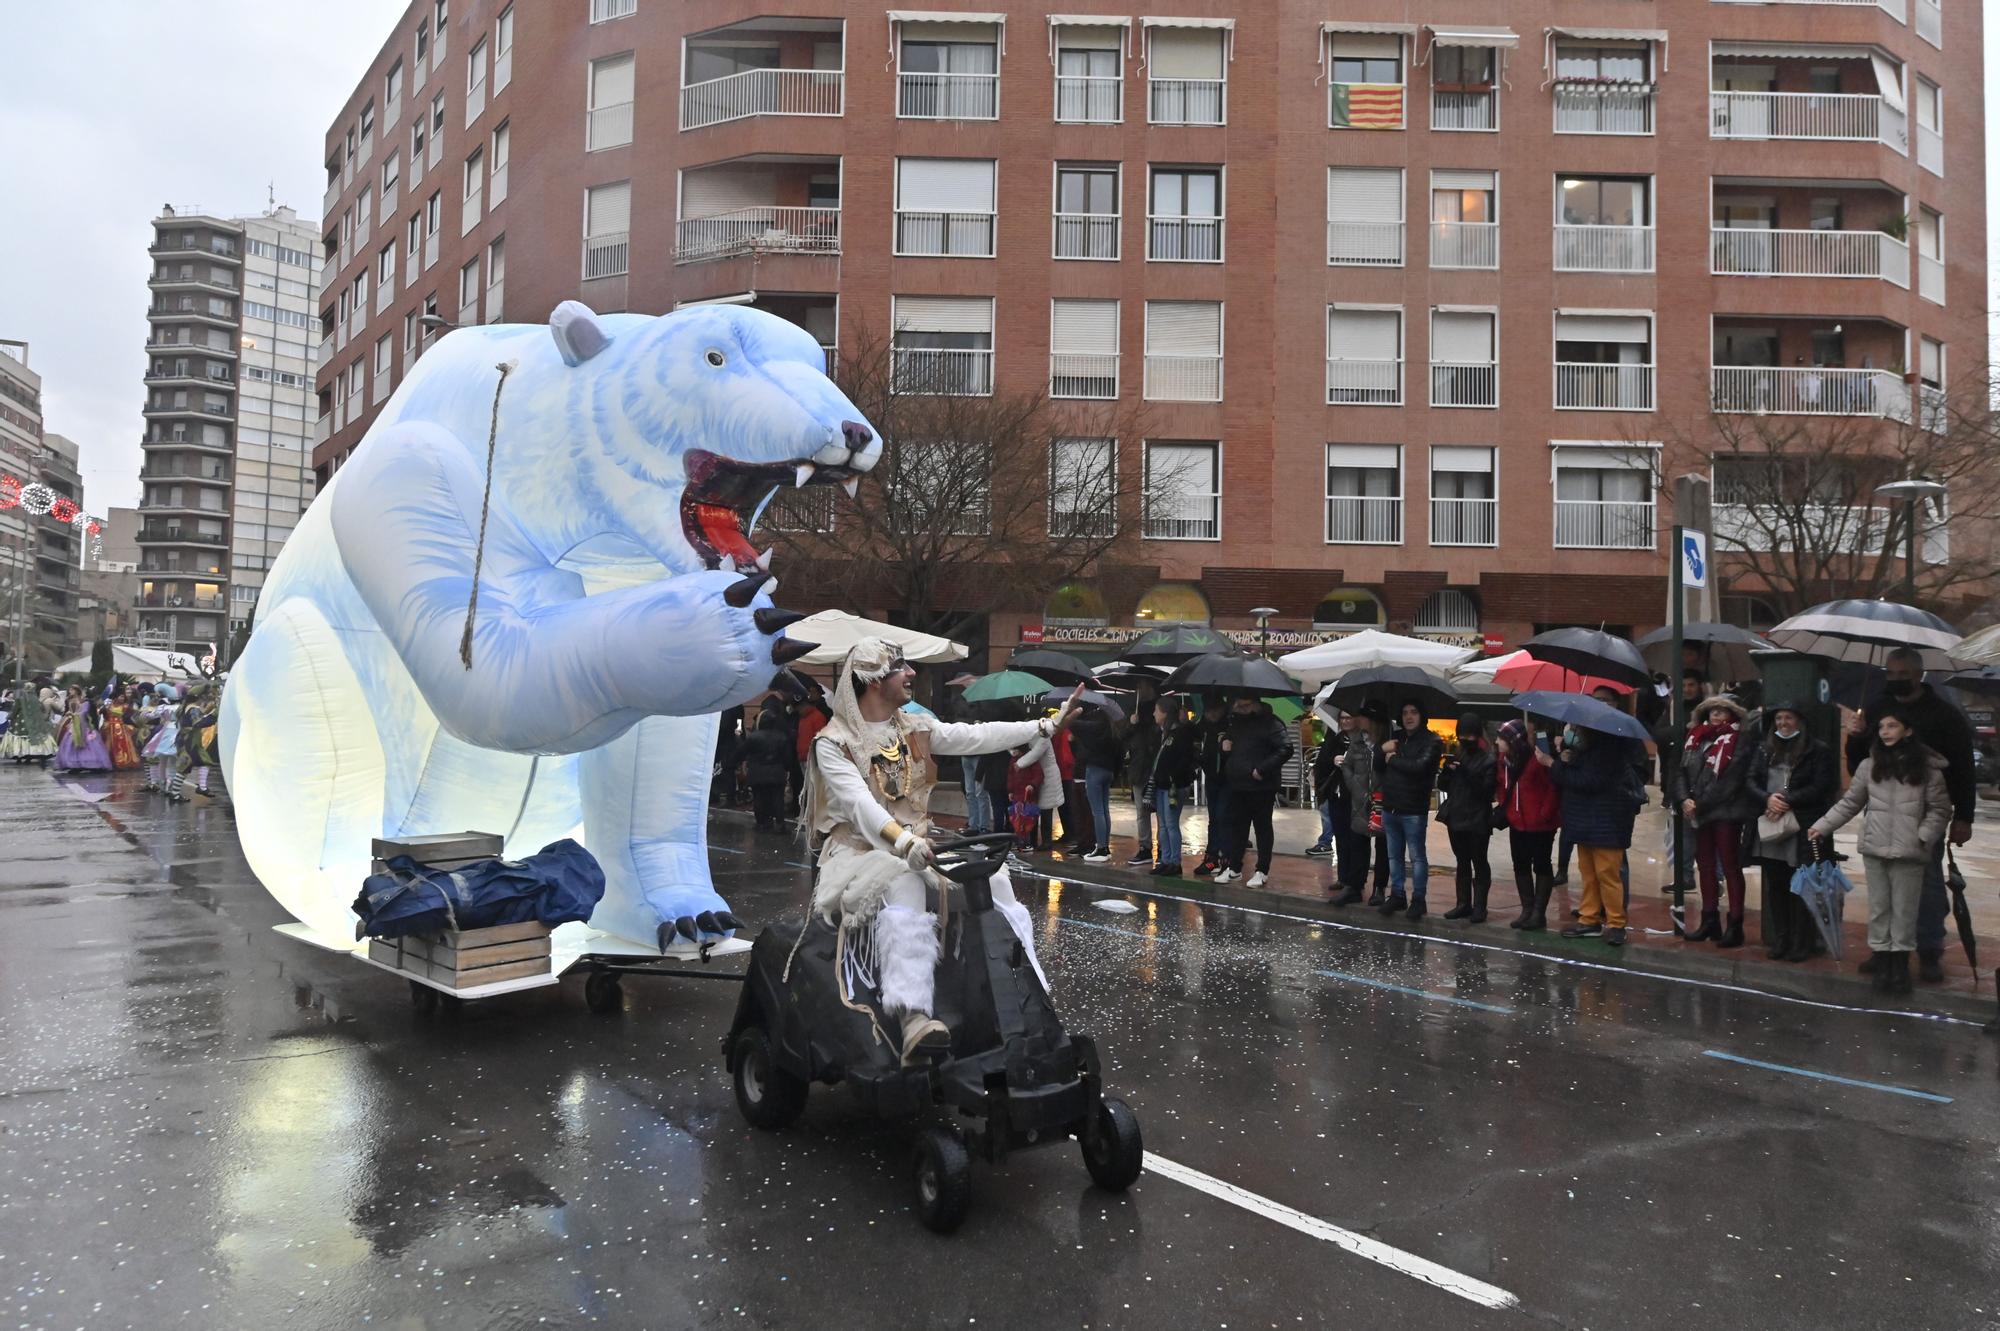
1882 966
1711 927
1733 935
1544 887
1525 885
1416 910
1930 966
1392 903
1777 930
1900 972
1874 964
1479 891
1462 907
1352 896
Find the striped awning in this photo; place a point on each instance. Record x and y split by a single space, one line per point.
1361 26
1613 34
1466 34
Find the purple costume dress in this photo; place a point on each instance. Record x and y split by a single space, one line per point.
82 748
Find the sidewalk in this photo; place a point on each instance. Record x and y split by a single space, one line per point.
1651 944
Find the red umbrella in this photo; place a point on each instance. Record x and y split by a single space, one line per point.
1522 673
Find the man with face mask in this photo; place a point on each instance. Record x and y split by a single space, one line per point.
1944 729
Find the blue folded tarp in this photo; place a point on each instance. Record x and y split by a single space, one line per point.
559 883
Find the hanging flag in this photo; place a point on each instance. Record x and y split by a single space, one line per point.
1368 105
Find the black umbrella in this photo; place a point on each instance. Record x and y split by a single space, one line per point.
1088 698
1130 675
1055 667
1867 631
1234 676
1391 686
1174 643
1591 652
1727 647
1961 914
1985 680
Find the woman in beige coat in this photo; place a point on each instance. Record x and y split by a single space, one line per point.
1901 785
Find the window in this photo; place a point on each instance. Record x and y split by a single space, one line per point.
503 50
430 332
392 171
1465 222
419 137
1364 216
438 21
497 186
1604 361
1090 74
1604 224
392 86
368 119
1183 490
1364 494
1603 89
468 291
944 206
496 277
414 235
939 487
1929 245
1184 222
1364 355
1930 362
1604 497
1462 91
433 213
384 354
607 222
385 267
1183 351
722 58
1186 75
423 43
410 331
1086 211
475 81
437 119
1463 346
609 124
1464 507
943 344
603 11
947 71
475 189
1365 80
1083 487
1083 348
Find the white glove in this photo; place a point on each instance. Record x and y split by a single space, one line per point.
914 851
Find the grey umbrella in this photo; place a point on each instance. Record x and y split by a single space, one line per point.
1823 887
1867 631
1727 648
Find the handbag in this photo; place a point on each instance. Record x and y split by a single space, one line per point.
1498 818
1777 829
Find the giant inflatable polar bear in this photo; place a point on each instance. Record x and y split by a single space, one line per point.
631 457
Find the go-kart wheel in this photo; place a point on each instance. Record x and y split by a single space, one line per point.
769 1096
423 998
602 993
1112 1149
943 1178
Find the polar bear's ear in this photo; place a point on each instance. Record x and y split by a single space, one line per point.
578 334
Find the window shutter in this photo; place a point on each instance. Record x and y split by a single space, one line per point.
1185 53
1480 180
1930 361
1362 455
609 209
1462 339
719 190
1453 457
611 81
1364 334
1603 328
944 185
1367 46
1085 326
1083 37
1364 194
1603 459
923 30
1188 467
945 314
1183 328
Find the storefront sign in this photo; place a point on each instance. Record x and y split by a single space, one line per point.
1278 640
1031 633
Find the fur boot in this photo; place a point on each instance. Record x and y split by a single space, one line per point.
906 957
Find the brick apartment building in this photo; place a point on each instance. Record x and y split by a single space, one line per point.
1411 305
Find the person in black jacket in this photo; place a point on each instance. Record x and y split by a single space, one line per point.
766 752
1142 742
1945 732
1255 750
1792 779
1407 764
1467 790
1708 787
1329 792
1213 731
1169 778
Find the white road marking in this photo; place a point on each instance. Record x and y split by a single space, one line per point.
1409 1264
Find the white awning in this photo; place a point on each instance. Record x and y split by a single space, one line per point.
1613 34
1156 21
1352 25
1466 34
1788 51
945 16
1089 21
1888 80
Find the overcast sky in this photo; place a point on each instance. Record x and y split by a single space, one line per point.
209 102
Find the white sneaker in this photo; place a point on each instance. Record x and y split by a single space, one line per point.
1256 879
1224 876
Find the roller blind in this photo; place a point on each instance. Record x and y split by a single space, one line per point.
1088 326
1482 180
1364 334
1184 466
1090 37
1603 459
1183 328
944 185
608 209
1362 455
723 189
945 314
1454 457
1462 339
1930 361
1603 328
1185 53
1364 194
942 28
1367 45
611 81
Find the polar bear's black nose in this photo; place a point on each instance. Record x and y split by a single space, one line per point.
858 436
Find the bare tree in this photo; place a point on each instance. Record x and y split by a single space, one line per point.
1795 506
984 499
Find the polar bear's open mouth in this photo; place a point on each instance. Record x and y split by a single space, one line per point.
723 496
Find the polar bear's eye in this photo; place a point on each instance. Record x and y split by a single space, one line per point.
716 358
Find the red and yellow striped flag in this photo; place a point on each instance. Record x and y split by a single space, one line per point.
1368 105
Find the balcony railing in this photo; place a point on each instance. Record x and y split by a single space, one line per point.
1930 22
1172 378
1583 109
1083 374
606 126
1364 383
1808 390
955 235
183 535
1841 117
945 371
1604 524
1465 384
607 255
1364 520
603 11
763 92
1184 239
323 430
766 229
157 601
1465 521
1187 101
1744 252
948 96
1604 249
1855 529
1465 110
1365 244
1086 236
1930 150
1465 244
1582 386
1930 278
1179 516
1090 99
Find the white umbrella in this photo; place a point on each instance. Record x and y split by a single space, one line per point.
140 663
1370 647
836 631
1983 646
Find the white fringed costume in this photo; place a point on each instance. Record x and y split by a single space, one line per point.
867 777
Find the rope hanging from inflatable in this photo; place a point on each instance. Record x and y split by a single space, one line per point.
505 367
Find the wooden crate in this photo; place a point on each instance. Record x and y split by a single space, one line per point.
465 959
437 847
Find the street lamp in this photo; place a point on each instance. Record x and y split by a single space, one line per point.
438 323
1263 614
1912 492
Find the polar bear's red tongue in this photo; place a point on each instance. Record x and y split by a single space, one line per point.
722 527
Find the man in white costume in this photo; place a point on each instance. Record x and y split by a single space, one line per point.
869 808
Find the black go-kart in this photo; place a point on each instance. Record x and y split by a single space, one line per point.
1014 1078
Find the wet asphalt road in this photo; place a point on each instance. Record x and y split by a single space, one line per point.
203 1123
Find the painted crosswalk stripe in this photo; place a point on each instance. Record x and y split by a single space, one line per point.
1409 1264
1827 1076
1414 993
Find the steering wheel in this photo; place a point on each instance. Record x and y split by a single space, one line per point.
952 844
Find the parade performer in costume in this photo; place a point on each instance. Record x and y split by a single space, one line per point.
868 807
81 748
28 737
164 746
196 742
118 733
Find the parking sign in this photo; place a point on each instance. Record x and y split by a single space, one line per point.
1694 559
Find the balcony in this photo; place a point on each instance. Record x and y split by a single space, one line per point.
1087 99
1084 374
1179 516
764 229
1750 252
1465 110
1930 278
1586 108
1465 521
172 534
1086 236
1183 378
1364 520
1465 244
1364 383
1187 101
1365 244
1808 390
170 282
948 235
178 601
943 371
215 247
763 92
191 348
1465 384
1604 249
1740 526
1184 239
948 96
1604 524
1595 386
1817 116
218 508
202 315
173 441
